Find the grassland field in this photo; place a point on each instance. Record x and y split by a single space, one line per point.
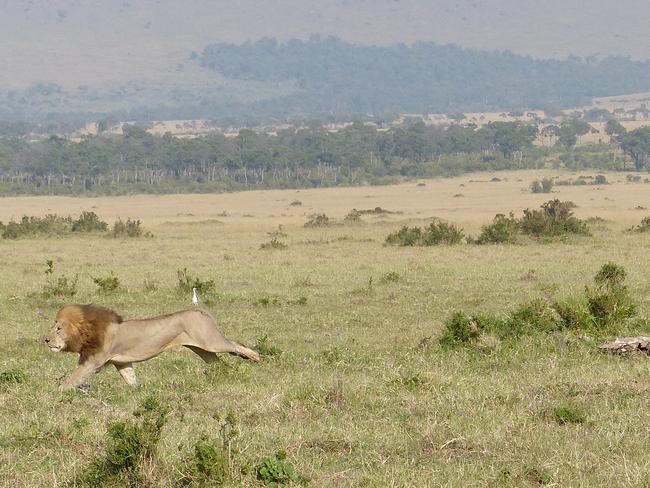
362 394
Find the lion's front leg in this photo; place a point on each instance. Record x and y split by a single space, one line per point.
81 374
128 373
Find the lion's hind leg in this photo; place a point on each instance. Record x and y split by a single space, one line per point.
207 356
128 373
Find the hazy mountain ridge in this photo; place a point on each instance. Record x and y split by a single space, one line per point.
72 42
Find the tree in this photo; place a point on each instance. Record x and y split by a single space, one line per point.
636 144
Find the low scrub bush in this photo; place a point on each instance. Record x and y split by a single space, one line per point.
187 282
609 301
554 219
61 287
437 232
317 220
543 186
52 225
107 284
265 348
131 447
274 243
644 226
89 222
129 228
275 470
502 230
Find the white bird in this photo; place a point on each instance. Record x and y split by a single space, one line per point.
195 296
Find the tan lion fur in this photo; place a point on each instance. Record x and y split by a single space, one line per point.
101 337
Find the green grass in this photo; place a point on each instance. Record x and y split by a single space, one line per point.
353 385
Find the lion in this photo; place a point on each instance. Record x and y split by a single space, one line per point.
101 337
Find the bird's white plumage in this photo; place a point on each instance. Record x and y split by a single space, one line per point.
195 296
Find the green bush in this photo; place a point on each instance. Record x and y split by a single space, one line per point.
275 470
317 220
529 318
108 284
130 228
187 282
131 446
460 329
62 287
543 186
89 222
265 348
502 230
554 219
274 243
609 301
209 465
437 232
49 225
644 226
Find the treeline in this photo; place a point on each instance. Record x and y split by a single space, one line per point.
359 154
332 76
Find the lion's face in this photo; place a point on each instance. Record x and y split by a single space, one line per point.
64 337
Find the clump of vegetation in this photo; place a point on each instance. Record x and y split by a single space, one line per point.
502 230
30 226
644 226
543 186
107 284
437 232
353 217
212 461
274 243
609 301
460 329
89 222
604 306
569 414
391 277
317 220
129 228
554 219
584 180
275 470
131 447
265 348
13 376
296 203
187 282
62 287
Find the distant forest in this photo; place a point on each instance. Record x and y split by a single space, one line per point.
332 76
359 154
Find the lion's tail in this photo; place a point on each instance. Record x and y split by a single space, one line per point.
244 352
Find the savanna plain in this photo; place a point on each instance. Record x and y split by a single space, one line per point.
354 385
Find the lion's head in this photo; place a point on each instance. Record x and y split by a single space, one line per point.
80 328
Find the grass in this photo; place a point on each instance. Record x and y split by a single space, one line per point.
353 386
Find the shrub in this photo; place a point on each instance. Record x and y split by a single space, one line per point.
609 302
62 287
554 219
274 243
644 226
502 230
51 224
264 347
89 222
317 220
529 318
108 284
353 217
460 329
600 180
406 236
275 470
543 186
186 282
130 448
391 277
130 228
436 233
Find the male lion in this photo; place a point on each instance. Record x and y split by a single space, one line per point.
101 337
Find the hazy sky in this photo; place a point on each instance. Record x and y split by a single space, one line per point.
76 42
